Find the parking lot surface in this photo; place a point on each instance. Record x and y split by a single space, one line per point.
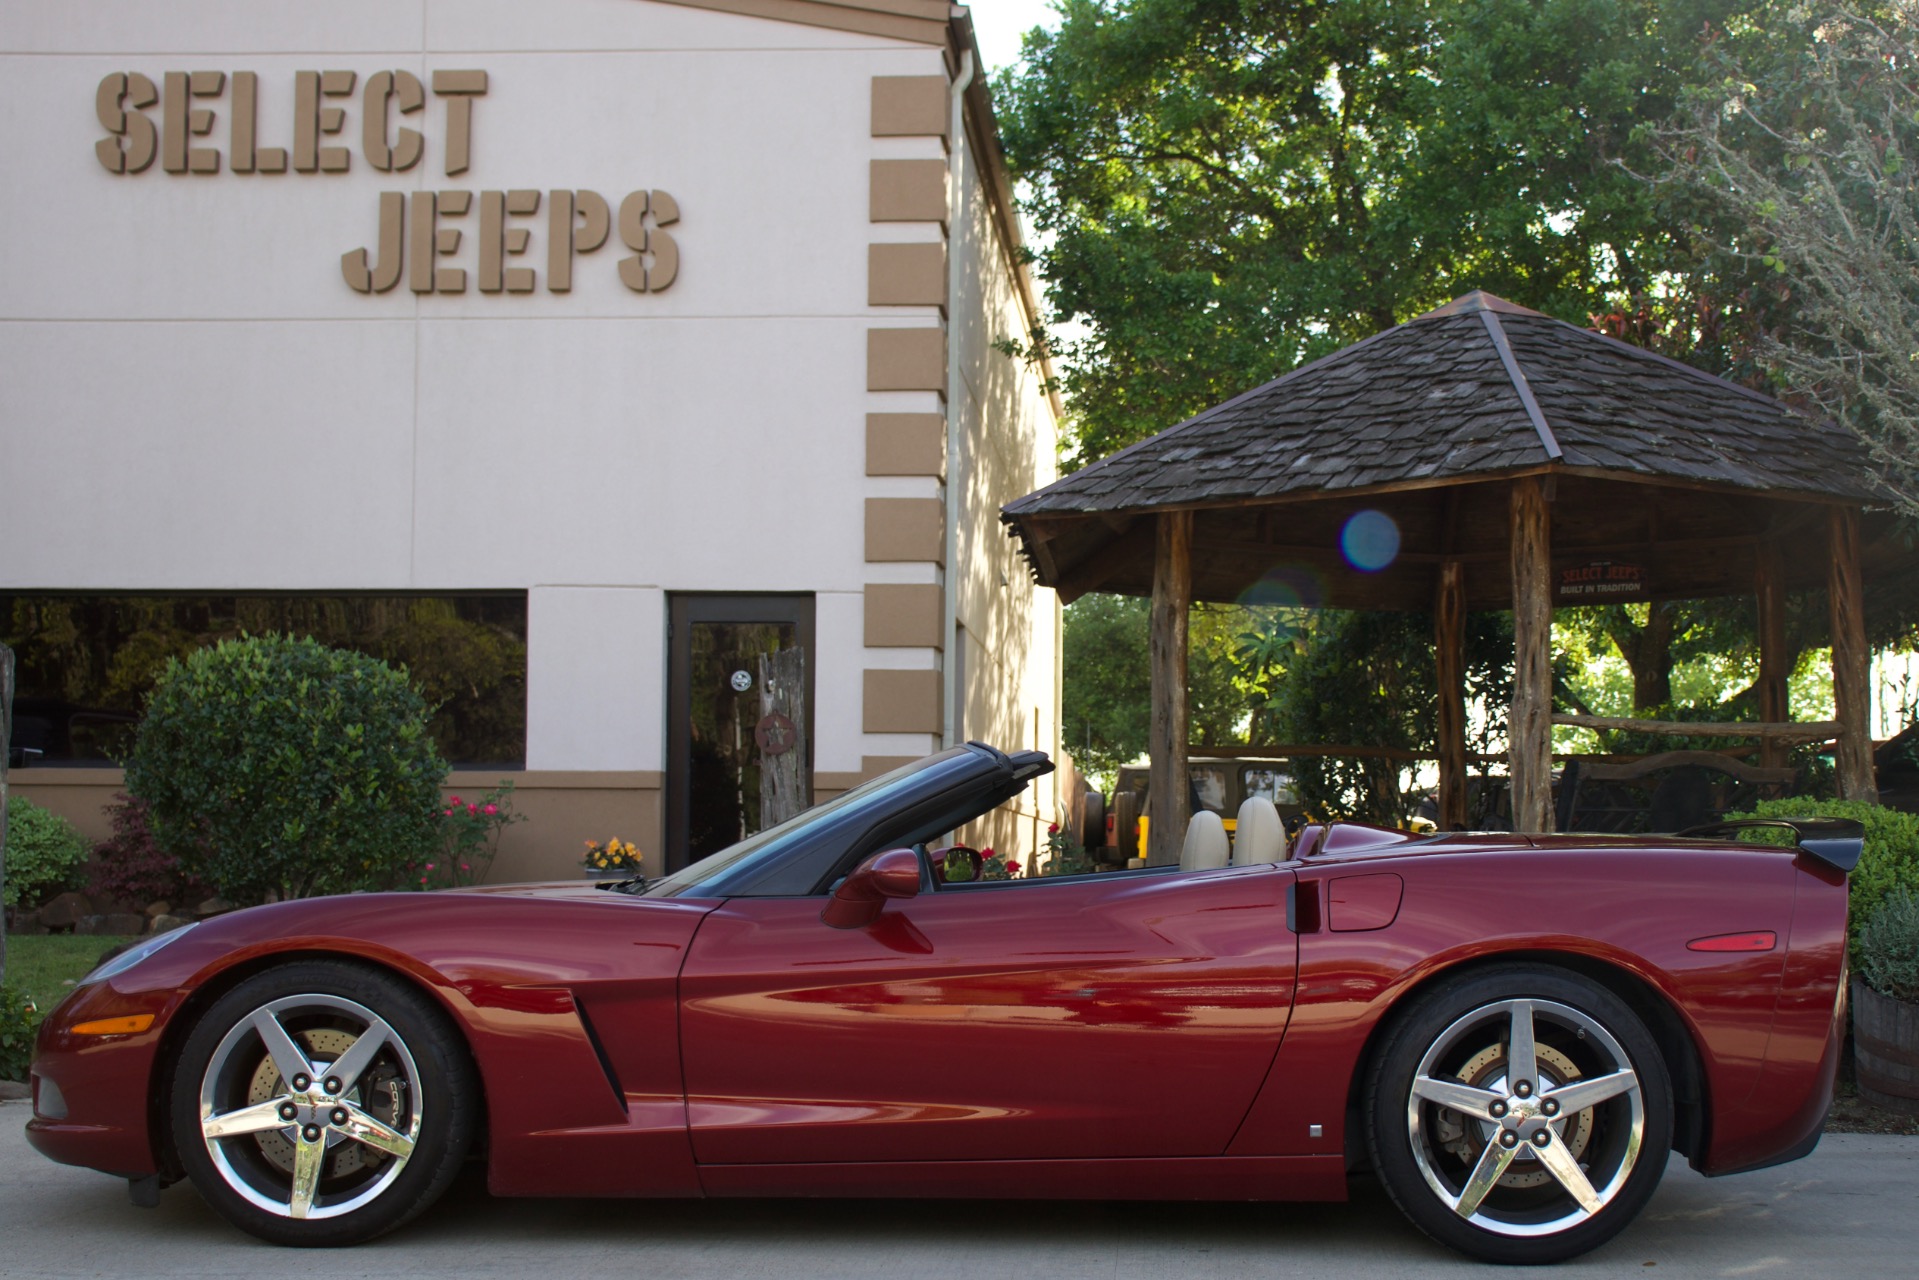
1851 1208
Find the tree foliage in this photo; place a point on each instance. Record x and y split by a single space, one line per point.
1229 187
1810 147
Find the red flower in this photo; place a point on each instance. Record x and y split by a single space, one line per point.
1052 828
473 811
489 810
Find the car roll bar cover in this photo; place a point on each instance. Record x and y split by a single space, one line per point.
1837 842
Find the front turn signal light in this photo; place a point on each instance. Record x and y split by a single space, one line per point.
128 1026
1762 940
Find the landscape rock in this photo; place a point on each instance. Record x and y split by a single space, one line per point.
27 923
124 922
213 907
164 924
90 926
160 908
65 910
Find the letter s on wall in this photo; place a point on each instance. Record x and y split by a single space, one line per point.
142 139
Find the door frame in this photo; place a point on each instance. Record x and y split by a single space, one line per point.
685 609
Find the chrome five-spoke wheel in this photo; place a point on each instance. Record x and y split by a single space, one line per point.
322 1103
1521 1115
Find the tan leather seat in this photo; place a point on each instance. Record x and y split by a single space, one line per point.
1258 835
1206 846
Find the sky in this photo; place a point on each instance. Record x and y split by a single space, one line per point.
1000 23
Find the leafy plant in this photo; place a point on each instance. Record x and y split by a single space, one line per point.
19 1024
1064 857
1889 948
276 767
130 864
469 838
46 855
615 855
1889 864
997 866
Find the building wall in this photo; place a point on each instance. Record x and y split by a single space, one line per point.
202 402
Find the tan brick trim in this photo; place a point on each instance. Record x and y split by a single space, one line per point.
901 702
905 529
906 275
906 444
874 766
911 106
907 191
836 781
906 360
904 616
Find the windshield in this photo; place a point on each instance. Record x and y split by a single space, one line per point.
714 865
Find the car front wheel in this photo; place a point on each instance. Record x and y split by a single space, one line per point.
1520 1114
322 1103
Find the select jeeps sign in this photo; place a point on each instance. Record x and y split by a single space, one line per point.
422 236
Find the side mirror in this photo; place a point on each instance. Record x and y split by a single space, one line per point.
861 896
958 865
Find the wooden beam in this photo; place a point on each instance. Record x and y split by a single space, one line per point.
1851 660
1530 729
1449 644
1778 731
1168 784
1774 697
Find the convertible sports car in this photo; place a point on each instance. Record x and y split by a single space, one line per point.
1509 1032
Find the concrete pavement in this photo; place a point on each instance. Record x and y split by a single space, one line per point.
1852 1208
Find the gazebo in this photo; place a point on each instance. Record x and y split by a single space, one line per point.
1518 461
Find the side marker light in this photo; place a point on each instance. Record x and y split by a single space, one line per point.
1764 940
129 1026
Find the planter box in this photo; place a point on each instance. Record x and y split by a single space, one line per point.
1885 1044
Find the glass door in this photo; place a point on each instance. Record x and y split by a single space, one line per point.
740 719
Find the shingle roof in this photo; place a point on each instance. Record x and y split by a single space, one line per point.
1435 398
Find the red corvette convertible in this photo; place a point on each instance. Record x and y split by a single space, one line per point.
1508 1032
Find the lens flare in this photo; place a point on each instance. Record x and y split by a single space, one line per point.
1370 541
1286 586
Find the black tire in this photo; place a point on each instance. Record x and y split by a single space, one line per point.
371 1151
1093 827
1456 1042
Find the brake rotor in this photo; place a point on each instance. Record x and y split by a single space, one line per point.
1466 1140
322 1047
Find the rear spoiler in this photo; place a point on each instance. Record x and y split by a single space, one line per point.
1834 841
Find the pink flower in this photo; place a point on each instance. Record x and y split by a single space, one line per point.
473 810
429 866
446 813
489 810
455 800
464 867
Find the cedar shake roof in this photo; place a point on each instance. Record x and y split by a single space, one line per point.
1477 390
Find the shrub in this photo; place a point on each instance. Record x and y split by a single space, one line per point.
45 854
19 1024
276 767
469 837
131 866
1889 863
1889 948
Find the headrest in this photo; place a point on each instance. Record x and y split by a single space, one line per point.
1206 846
1259 835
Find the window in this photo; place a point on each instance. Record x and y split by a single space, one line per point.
85 663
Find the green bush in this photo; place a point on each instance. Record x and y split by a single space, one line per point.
275 767
45 854
19 1024
1889 948
1889 863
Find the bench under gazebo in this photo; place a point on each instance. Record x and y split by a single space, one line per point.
1519 461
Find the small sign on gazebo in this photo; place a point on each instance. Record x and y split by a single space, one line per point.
1600 582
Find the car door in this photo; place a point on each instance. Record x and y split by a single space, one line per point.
1118 1015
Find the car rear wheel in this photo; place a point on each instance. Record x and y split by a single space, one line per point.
322 1103
1519 1114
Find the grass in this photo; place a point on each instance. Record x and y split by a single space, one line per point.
44 967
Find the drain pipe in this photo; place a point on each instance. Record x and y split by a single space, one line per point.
955 204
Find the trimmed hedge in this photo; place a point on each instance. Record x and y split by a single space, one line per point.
1889 948
46 855
275 767
1890 862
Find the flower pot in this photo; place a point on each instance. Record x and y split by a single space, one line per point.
1885 1045
611 873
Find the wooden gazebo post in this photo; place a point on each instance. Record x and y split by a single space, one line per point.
1530 729
1449 644
1166 738
1851 660
1774 707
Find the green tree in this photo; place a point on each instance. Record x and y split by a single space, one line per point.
1227 188
1810 148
